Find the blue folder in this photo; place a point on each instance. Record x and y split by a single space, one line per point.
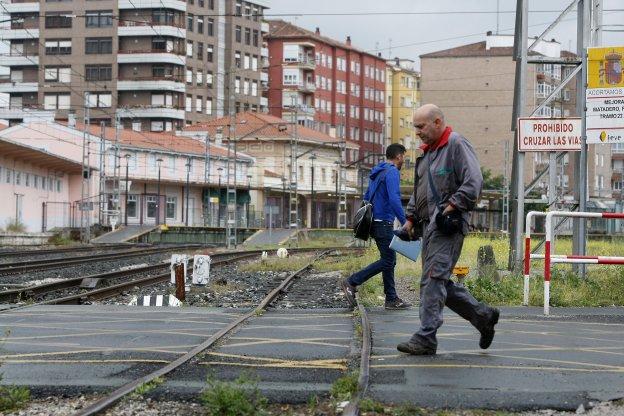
410 249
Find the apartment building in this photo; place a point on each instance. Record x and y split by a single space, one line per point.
329 86
402 100
474 85
159 65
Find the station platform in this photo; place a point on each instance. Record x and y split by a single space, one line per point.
568 359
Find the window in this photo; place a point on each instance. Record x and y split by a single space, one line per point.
189 76
254 63
58 74
162 100
198 103
189 48
100 99
237 59
200 24
237 83
58 47
188 103
98 45
239 8
58 20
210 27
247 36
247 61
254 88
256 37
200 51
209 79
209 53
189 22
171 207
157 126
246 87
211 4
151 206
98 72
166 17
255 13
247 11
58 101
18 177
131 208
200 77
238 34
209 106
99 18
162 71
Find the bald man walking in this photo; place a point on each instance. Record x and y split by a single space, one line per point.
449 184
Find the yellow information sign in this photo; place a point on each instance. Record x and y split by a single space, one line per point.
605 67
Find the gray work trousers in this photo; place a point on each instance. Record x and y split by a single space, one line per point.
439 255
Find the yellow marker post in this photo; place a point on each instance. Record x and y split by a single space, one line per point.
460 272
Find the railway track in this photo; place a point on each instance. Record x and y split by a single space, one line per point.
38 252
275 295
47 264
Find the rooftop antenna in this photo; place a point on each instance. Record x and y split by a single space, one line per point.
390 48
497 15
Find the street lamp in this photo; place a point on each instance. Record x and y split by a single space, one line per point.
158 162
313 202
188 172
338 163
284 201
127 156
249 195
219 211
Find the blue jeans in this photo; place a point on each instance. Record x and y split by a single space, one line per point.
382 233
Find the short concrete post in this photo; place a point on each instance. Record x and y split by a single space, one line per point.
180 269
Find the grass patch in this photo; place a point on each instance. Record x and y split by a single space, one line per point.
13 397
604 285
146 388
240 397
59 239
344 387
14 226
276 264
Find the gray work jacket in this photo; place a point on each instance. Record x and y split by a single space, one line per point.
457 176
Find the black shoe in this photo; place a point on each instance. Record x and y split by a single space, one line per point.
349 292
487 333
397 304
415 348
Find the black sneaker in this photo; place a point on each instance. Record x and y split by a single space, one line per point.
349 292
415 348
487 333
397 304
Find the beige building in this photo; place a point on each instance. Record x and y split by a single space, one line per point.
402 99
267 139
158 64
474 86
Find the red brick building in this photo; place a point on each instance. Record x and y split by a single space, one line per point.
327 85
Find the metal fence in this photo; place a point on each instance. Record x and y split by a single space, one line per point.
56 215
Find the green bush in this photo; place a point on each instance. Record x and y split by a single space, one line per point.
344 387
13 397
240 397
14 226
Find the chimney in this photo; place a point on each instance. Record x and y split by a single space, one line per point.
488 33
349 40
379 54
397 60
317 31
71 119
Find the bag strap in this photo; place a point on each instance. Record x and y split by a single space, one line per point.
385 171
434 191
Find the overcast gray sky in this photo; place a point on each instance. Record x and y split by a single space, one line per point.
413 35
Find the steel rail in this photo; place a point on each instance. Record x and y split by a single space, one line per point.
353 407
11 253
128 388
48 264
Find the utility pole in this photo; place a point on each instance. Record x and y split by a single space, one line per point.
85 208
342 185
293 196
505 208
117 170
230 174
208 210
102 190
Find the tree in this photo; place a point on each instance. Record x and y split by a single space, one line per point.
492 183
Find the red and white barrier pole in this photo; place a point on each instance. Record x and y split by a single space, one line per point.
527 253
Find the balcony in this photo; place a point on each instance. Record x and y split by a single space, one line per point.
16 59
264 52
303 62
264 77
264 102
8 86
305 87
10 34
150 56
151 84
617 174
21 6
150 29
302 111
152 4
151 112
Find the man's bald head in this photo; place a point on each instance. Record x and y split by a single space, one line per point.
429 123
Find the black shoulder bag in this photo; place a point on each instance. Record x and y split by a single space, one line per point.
448 224
363 220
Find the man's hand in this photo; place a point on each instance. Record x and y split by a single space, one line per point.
406 232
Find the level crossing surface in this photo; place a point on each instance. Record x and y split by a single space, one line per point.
570 358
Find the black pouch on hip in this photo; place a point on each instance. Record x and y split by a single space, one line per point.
449 224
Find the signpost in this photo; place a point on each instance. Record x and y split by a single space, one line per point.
605 95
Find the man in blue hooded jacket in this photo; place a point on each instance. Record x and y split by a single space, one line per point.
384 193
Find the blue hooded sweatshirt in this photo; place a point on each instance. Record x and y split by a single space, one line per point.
387 198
